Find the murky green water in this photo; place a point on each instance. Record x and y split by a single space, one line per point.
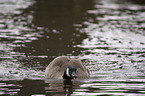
107 35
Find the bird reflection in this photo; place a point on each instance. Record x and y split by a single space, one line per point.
61 87
48 87
68 87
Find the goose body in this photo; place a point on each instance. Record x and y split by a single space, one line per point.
61 66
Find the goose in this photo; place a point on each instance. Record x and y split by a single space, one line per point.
64 67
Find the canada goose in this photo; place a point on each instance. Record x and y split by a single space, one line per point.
63 67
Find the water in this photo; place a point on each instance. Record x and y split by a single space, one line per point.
107 35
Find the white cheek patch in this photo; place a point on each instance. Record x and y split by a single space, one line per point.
67 72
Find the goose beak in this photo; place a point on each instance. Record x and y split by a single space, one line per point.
75 77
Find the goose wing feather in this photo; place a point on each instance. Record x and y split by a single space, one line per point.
56 67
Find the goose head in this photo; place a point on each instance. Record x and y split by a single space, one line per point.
70 73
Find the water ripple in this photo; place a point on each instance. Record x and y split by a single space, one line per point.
113 50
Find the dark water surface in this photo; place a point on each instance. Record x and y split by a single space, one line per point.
107 35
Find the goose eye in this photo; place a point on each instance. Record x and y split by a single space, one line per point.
74 75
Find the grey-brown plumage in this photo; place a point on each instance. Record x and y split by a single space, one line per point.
57 67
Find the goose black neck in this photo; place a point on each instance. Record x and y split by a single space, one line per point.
65 76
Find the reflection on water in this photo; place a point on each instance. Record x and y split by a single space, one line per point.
116 45
108 35
76 87
49 87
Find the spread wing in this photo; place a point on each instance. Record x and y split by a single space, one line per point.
82 72
56 67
